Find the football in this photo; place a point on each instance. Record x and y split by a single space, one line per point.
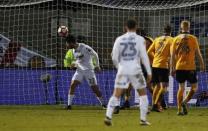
63 31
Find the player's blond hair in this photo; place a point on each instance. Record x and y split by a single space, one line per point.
185 25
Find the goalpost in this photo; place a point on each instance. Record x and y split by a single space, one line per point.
32 54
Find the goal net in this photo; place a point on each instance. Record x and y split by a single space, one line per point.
32 54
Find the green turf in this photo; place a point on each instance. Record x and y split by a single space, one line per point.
54 118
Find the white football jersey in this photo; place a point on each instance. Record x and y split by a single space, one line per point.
83 55
128 50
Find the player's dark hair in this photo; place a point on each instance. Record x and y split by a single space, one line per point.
131 24
167 29
70 39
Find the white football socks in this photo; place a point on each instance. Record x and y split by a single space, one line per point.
143 107
70 99
118 103
113 102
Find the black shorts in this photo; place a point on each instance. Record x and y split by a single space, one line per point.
160 75
186 75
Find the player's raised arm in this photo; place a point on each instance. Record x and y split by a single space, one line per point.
115 53
199 55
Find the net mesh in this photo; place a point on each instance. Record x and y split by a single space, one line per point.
142 4
14 3
32 54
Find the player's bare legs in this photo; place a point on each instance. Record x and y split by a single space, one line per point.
155 92
162 90
191 92
150 87
180 97
97 92
188 97
128 94
162 98
74 84
154 96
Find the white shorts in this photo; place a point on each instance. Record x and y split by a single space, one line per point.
137 81
88 75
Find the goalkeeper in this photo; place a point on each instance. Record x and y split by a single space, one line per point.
80 56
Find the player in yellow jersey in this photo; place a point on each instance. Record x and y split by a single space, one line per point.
185 48
160 52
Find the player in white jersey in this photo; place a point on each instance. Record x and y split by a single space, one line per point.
85 70
128 50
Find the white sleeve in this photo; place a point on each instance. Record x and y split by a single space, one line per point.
94 55
144 57
115 53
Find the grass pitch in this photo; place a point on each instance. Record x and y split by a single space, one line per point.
55 118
